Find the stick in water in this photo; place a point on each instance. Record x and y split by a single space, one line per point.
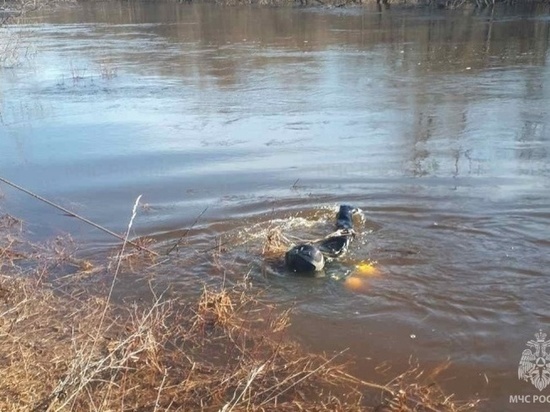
72 214
187 231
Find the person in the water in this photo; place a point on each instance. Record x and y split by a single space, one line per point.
310 257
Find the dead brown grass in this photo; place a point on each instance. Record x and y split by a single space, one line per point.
66 349
164 356
275 243
214 355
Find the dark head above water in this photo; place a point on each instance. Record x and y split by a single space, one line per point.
304 258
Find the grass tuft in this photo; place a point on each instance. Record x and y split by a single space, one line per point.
65 348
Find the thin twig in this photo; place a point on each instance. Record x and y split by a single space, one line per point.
304 377
159 391
88 362
372 385
251 378
72 214
187 231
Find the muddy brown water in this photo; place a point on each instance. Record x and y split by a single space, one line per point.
435 123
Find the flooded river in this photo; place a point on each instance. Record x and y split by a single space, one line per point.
435 123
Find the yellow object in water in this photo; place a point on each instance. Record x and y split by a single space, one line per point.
355 283
366 269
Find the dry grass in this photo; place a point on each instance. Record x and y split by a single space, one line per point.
227 352
10 241
163 356
65 349
275 243
416 390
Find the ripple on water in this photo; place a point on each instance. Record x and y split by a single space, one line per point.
441 140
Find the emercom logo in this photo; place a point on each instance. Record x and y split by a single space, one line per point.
534 365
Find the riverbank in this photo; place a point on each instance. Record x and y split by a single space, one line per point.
66 348
17 8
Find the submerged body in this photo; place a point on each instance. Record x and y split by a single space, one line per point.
310 257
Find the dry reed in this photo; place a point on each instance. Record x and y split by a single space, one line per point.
66 349
227 353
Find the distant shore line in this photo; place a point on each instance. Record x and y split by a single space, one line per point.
13 9
439 4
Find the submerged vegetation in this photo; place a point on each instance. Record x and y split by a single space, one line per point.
10 10
66 348
13 49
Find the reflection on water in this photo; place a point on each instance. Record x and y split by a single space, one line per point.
435 123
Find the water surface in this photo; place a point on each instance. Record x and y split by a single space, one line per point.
435 123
